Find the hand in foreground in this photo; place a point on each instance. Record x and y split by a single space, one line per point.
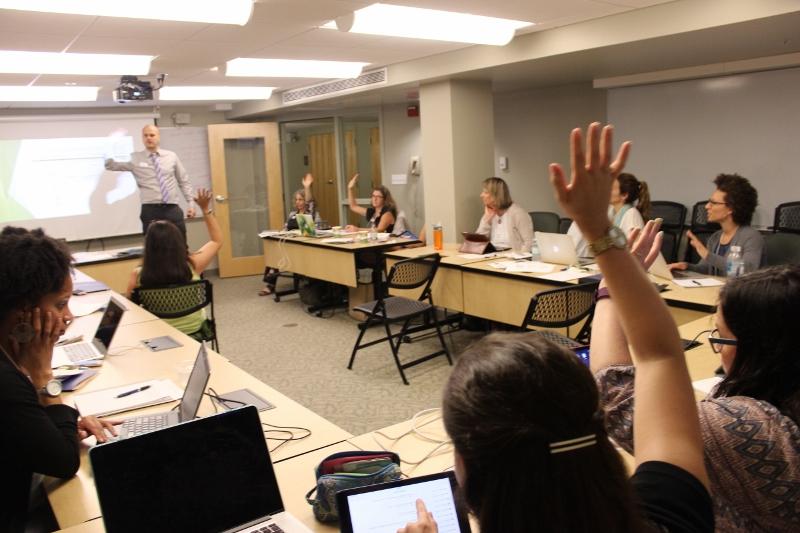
585 197
424 524
98 427
353 182
203 198
35 355
646 242
308 180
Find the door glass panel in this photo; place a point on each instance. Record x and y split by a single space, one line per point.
361 154
246 173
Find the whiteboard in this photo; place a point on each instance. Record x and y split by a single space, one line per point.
191 145
685 133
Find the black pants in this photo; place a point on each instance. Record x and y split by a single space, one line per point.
171 212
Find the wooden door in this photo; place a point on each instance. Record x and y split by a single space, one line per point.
375 155
322 163
248 191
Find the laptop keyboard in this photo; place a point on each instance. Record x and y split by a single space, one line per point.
79 352
270 528
144 424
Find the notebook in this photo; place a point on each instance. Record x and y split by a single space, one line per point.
306 224
207 475
97 348
187 410
390 506
559 248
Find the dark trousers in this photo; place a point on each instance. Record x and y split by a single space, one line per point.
171 212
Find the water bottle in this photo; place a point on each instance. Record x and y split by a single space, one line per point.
373 232
735 262
535 255
438 236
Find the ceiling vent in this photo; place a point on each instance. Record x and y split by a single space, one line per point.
367 80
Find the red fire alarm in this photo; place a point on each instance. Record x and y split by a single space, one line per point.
412 110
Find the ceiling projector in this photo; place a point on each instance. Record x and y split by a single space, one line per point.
131 89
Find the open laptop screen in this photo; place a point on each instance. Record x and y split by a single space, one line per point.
207 475
109 323
195 387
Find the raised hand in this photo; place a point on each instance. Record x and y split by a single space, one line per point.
308 180
203 198
585 197
353 182
697 244
646 242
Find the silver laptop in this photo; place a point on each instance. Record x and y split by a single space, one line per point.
97 348
559 248
187 410
210 474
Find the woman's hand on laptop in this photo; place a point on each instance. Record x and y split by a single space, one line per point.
424 524
682 265
99 428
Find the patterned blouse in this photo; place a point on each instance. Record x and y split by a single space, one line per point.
752 453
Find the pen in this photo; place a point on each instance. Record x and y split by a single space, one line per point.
134 391
697 283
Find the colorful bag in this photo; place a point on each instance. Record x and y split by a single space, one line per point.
347 470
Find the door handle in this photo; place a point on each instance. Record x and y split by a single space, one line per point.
330 182
219 198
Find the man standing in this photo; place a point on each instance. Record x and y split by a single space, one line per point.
159 174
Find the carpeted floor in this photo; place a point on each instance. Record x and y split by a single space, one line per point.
305 357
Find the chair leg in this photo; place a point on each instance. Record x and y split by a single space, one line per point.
441 337
395 349
358 342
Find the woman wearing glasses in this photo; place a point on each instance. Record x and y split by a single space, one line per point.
750 421
731 206
381 213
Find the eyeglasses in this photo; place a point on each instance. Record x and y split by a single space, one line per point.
716 342
377 196
712 202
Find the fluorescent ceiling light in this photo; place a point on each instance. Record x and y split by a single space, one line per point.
47 94
60 63
419 23
215 93
209 11
293 68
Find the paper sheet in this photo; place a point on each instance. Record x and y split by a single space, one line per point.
698 282
105 402
568 274
530 266
338 240
706 385
82 306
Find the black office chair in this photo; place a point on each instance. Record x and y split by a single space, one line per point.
408 274
782 248
561 308
787 218
702 229
175 301
674 216
545 221
563 224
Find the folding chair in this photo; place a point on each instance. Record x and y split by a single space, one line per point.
561 308
175 301
408 274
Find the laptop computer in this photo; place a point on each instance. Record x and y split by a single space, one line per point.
207 475
306 224
659 268
559 248
390 506
97 348
187 410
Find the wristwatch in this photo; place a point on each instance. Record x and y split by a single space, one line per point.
52 389
614 238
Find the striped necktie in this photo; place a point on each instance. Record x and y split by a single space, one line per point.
162 184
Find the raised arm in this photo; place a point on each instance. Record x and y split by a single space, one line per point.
351 197
202 257
666 427
308 181
118 166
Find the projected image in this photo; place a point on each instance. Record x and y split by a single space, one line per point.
51 178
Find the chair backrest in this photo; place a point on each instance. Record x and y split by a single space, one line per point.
787 218
173 301
782 248
699 222
564 224
545 221
413 273
561 307
673 213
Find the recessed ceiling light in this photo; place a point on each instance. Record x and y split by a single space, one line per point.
214 69
12 62
292 68
419 23
38 93
209 11
214 93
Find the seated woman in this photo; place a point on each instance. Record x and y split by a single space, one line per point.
531 452
629 206
751 421
303 204
167 261
380 215
40 434
505 223
731 206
